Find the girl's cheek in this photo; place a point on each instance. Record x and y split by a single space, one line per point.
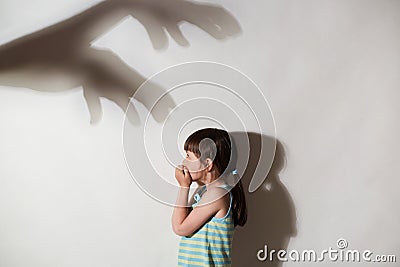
191 165
195 166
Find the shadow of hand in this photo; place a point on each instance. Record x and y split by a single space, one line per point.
169 14
60 57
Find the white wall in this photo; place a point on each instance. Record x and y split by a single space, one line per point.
330 71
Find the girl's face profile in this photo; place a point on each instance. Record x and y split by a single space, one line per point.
195 166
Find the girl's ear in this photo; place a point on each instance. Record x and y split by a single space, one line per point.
209 164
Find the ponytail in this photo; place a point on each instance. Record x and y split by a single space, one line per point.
239 204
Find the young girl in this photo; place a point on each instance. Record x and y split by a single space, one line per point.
206 223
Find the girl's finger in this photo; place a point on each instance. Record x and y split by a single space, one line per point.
186 169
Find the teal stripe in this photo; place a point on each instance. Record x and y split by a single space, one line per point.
219 254
207 241
221 220
203 261
190 259
204 232
184 264
221 230
229 227
227 248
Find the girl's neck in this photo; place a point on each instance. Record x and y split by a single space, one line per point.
214 182
208 178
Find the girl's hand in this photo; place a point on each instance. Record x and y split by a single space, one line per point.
183 177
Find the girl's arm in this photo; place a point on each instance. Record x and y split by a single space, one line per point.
185 223
181 210
182 207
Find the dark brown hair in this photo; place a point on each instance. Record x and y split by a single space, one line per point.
223 161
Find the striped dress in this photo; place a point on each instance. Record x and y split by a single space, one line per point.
211 244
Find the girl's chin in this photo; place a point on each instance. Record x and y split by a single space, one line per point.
197 180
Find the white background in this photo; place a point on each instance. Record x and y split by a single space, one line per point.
330 71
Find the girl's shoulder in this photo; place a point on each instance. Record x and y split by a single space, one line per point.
223 200
215 194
